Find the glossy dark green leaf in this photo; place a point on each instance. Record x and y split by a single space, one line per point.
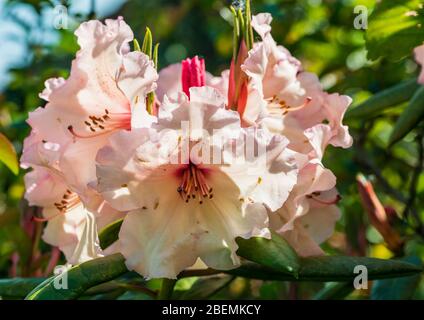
341 268
8 154
275 253
383 100
113 295
256 271
330 268
410 117
18 287
399 288
81 278
335 291
394 29
132 295
129 282
204 288
395 289
109 234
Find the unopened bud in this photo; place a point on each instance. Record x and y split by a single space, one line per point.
192 74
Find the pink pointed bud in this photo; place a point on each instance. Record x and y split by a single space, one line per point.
377 214
237 85
192 74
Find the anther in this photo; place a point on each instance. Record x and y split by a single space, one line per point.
194 185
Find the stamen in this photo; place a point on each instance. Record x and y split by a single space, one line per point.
194 185
314 195
69 201
280 107
37 219
105 123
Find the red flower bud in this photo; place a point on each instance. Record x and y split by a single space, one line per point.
192 74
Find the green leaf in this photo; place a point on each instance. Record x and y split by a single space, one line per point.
166 289
335 291
410 117
252 270
155 56
18 287
133 295
128 282
81 278
276 260
275 253
150 101
236 33
113 295
147 45
8 154
204 288
241 24
136 45
383 100
330 268
394 29
340 268
397 289
249 29
109 234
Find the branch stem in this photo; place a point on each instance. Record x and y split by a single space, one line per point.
167 289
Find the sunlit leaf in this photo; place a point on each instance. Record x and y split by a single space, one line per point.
335 291
204 288
395 28
18 287
399 288
8 154
383 100
80 278
275 253
331 268
410 117
109 234
339 268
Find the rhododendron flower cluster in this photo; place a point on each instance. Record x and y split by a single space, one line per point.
217 158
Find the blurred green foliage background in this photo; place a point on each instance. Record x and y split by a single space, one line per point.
318 32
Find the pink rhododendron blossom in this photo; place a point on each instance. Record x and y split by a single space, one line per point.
308 217
286 99
195 207
73 219
223 157
106 85
289 101
419 57
73 231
